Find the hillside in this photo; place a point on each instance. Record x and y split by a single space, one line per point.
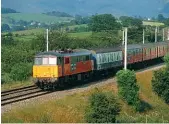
35 17
148 8
8 10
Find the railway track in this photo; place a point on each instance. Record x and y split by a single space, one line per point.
20 94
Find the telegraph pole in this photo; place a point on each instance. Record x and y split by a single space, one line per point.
156 35
168 34
125 59
143 36
47 40
123 37
163 35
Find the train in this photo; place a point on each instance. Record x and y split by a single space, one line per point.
55 69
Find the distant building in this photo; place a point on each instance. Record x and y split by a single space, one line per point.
149 19
33 23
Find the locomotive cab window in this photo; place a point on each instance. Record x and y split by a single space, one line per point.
47 60
52 61
38 61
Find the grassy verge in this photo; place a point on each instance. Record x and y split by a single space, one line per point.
72 108
18 84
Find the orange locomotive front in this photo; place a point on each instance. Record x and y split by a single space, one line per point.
56 69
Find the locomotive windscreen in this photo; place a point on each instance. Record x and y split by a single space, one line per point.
45 60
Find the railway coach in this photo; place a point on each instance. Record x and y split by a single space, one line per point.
107 58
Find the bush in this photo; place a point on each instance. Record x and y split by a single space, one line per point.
128 88
103 108
142 106
6 78
166 59
160 83
21 71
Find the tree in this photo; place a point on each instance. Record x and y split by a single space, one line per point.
103 108
21 71
135 34
130 21
104 22
5 27
128 88
160 84
7 39
166 59
166 22
161 18
160 81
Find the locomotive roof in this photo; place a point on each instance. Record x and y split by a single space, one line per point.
76 52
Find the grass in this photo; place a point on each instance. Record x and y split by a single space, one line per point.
72 108
30 31
152 23
74 26
18 84
25 38
80 34
35 17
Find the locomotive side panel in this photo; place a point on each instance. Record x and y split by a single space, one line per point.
77 65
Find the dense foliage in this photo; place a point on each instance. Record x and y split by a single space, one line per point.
128 89
17 59
160 82
103 108
130 21
104 22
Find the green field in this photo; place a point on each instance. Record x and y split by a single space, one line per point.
29 32
152 23
35 17
77 26
80 34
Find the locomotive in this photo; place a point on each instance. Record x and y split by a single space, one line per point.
54 69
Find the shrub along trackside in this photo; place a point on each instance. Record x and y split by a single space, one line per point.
103 108
128 89
160 81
